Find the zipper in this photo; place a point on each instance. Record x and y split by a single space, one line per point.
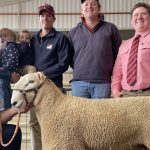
41 41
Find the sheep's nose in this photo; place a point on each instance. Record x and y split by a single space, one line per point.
14 103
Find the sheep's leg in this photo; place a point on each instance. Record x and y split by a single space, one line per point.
148 147
139 147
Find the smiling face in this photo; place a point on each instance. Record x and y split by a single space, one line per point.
140 19
46 20
90 8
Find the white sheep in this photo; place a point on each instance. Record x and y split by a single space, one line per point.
74 123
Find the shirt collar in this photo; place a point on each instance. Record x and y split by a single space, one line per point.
143 34
90 30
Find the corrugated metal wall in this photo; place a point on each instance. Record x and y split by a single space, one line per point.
22 14
120 10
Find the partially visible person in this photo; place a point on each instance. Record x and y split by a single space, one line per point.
51 56
123 72
24 36
7 73
95 47
13 56
8 129
25 52
9 51
5 90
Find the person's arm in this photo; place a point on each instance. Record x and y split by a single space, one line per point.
117 78
8 114
71 51
116 41
5 74
8 75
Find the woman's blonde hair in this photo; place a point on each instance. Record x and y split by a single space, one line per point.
8 32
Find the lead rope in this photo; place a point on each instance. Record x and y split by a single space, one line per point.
14 134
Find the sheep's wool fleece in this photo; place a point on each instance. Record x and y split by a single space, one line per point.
74 123
92 123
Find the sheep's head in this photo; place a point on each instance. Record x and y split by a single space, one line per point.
26 90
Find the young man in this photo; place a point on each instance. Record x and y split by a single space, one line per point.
51 56
123 73
95 47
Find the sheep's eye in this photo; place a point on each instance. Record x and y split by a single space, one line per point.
31 81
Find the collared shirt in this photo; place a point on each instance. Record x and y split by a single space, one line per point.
89 29
119 78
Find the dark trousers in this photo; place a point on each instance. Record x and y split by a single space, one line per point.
8 130
7 93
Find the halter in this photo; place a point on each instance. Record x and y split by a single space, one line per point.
24 92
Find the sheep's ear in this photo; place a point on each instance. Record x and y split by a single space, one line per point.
41 77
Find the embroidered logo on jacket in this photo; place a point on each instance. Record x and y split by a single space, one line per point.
49 46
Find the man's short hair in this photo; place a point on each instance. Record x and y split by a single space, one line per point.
82 1
145 5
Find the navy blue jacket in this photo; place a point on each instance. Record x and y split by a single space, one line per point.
51 54
25 54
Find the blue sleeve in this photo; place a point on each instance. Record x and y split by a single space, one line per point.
5 75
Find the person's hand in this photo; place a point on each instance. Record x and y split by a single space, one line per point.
15 77
117 95
26 108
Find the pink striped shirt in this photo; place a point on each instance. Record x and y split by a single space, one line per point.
119 78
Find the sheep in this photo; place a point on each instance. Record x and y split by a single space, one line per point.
74 123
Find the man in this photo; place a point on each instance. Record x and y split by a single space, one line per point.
95 47
140 74
51 56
